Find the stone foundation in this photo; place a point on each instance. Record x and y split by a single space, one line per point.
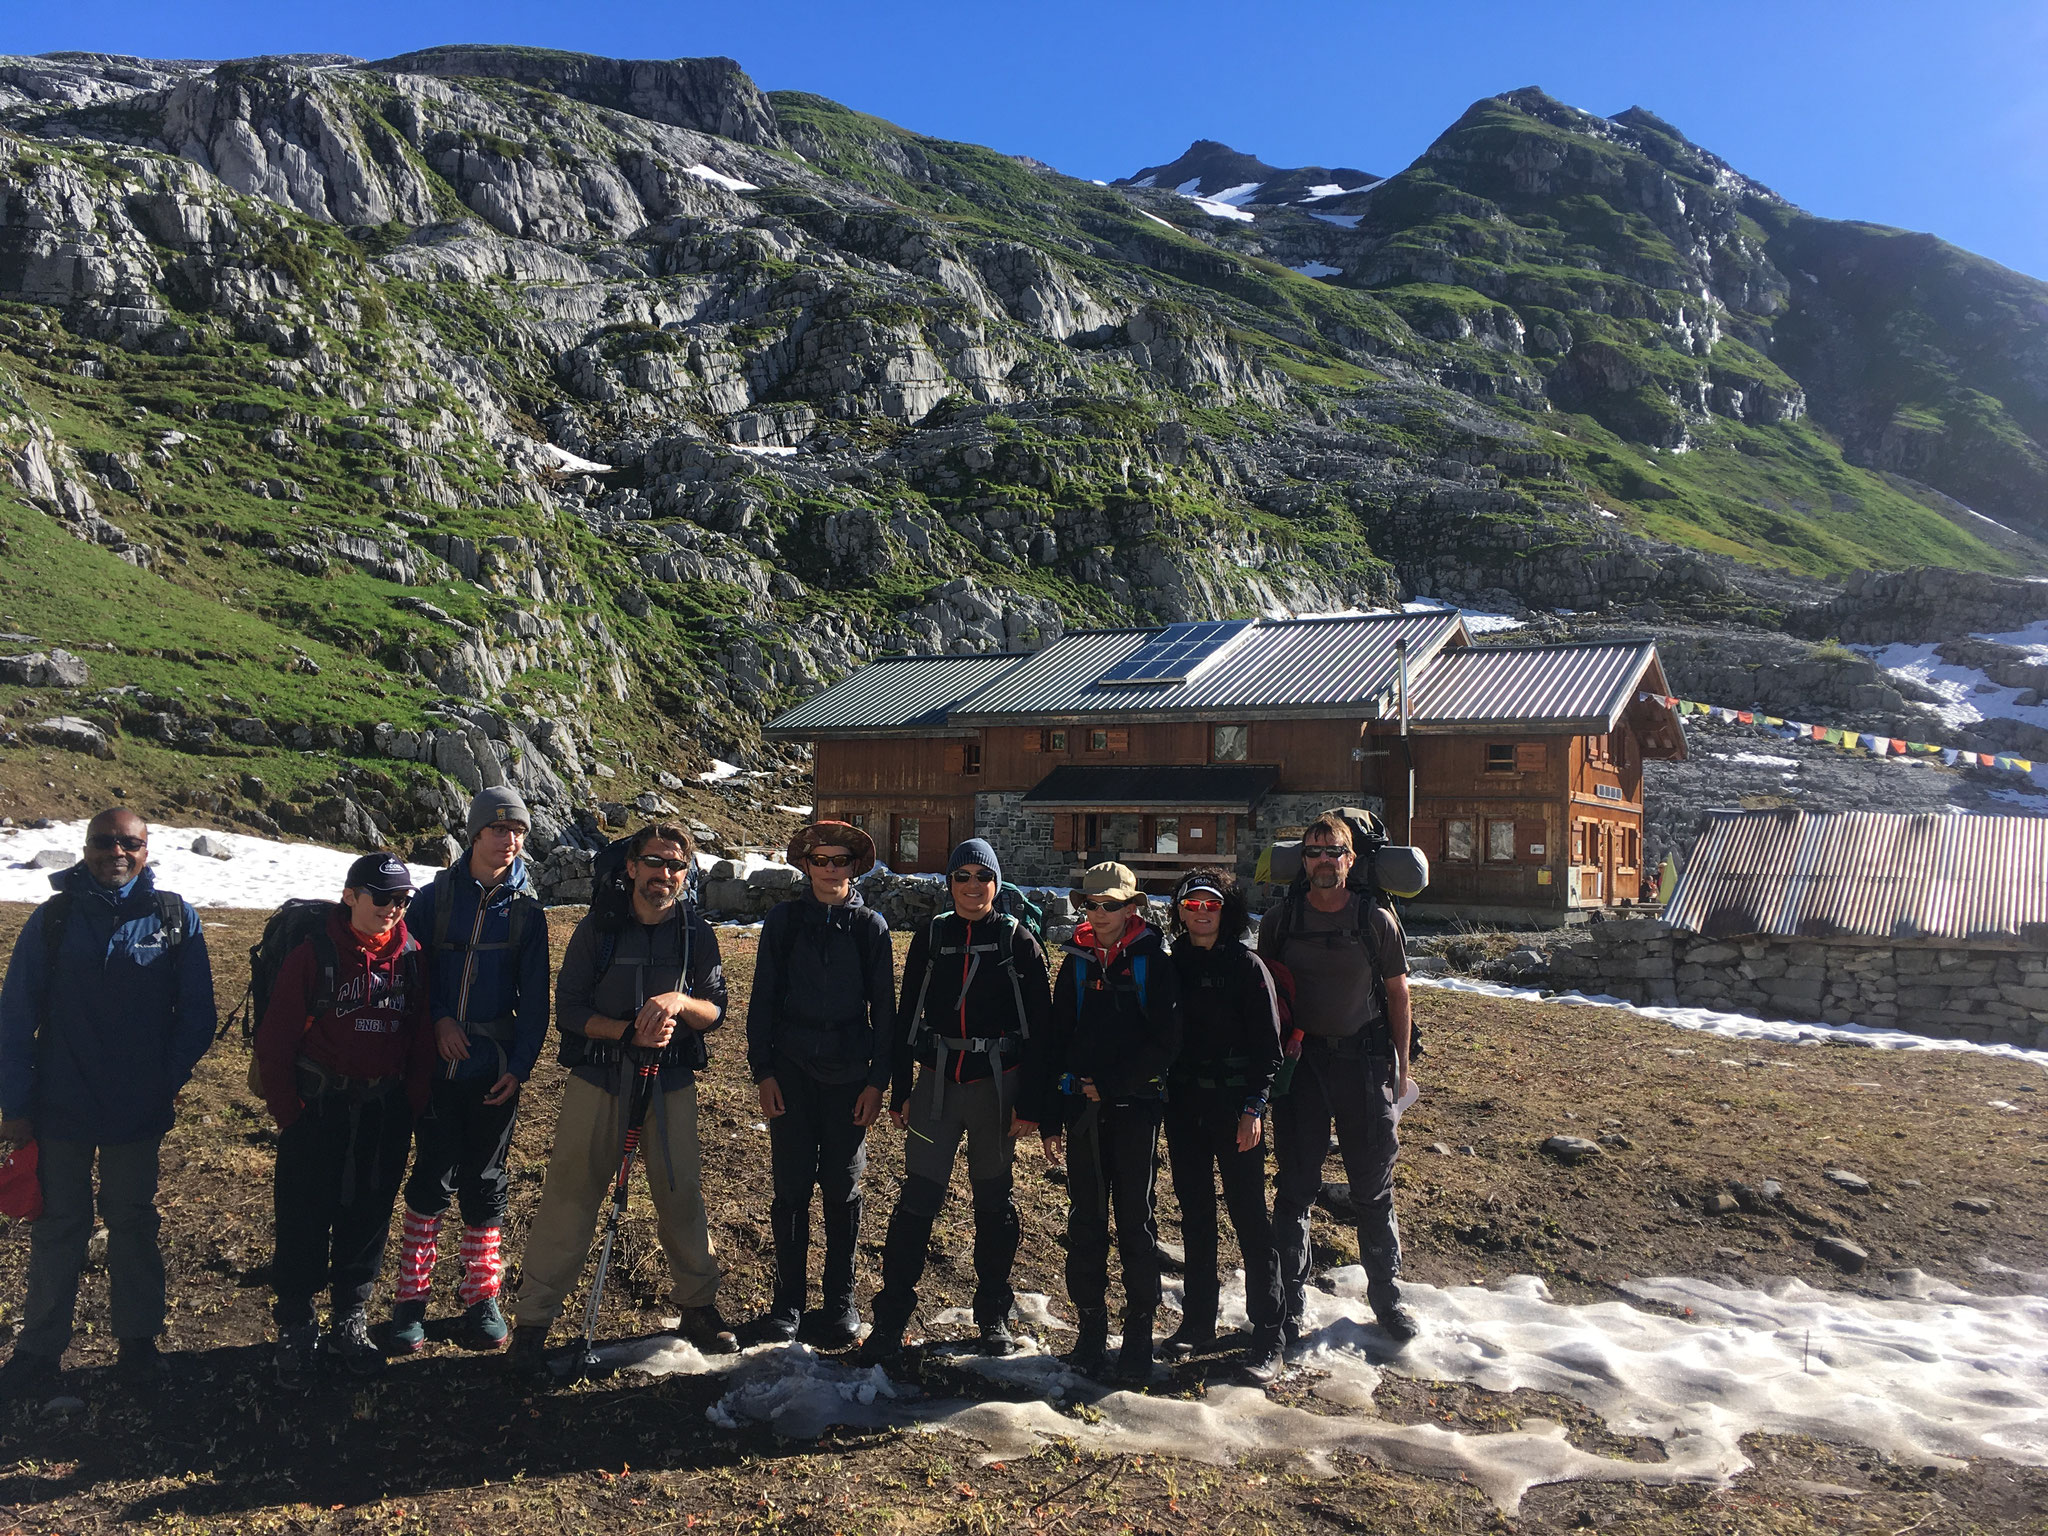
1984 994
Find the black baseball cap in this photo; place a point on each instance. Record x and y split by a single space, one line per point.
380 872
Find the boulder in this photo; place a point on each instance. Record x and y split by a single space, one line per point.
50 858
1855 1183
1841 1253
43 669
1572 1150
207 846
72 734
776 877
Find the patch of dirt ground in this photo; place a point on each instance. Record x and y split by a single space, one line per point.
443 1444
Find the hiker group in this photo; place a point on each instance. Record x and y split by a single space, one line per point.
401 1026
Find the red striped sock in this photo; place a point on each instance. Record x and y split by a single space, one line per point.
418 1241
483 1270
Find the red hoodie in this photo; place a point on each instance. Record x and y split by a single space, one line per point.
378 1026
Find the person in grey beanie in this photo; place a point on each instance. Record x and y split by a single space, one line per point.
973 1021
486 939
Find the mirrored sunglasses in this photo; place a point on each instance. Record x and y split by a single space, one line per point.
1200 904
670 866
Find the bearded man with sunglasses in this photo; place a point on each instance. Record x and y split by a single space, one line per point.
107 1008
818 1024
345 1052
1350 966
973 1024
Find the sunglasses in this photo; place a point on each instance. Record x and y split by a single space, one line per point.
830 860
973 877
1200 904
1090 905
1321 851
670 866
389 898
107 842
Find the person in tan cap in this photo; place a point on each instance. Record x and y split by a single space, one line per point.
819 1026
1115 1033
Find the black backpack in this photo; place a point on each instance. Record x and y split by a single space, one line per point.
291 925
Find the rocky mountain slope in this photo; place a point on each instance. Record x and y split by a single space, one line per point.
373 431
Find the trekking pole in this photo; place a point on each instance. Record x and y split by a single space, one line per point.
636 1115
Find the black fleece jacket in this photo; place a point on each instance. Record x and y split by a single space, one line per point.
1109 1028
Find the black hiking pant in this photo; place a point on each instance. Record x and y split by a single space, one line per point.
814 1144
459 1153
1112 1164
339 1166
941 1113
1201 1144
1338 1082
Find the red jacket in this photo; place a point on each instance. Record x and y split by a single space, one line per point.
378 1027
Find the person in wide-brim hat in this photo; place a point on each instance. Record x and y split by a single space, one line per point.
833 834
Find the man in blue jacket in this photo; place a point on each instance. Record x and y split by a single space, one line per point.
487 951
107 1008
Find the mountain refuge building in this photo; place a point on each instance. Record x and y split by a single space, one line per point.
1518 769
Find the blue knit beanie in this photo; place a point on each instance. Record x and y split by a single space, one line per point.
975 851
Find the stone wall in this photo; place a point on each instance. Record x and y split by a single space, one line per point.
1984 994
1021 838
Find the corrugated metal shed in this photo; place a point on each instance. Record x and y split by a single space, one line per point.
906 693
1865 874
1306 668
1218 788
1582 687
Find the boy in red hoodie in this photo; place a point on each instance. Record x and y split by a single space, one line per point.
346 1055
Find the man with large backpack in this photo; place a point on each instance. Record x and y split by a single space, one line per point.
487 958
107 1008
345 1055
1350 966
641 981
1115 1033
818 1027
973 1022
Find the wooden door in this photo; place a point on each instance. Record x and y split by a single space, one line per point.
1201 834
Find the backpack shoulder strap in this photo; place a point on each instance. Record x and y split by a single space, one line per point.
524 909
170 917
441 885
1138 977
327 961
56 921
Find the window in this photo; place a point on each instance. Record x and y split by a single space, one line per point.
1166 835
1055 741
860 819
970 757
1230 743
1500 842
1098 741
1578 842
1500 757
906 842
1458 840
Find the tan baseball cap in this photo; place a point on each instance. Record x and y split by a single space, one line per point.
1114 881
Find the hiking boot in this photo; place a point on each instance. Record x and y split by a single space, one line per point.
1263 1361
482 1327
298 1352
348 1345
996 1338
883 1346
767 1328
703 1327
824 1331
1188 1339
1400 1323
1134 1360
28 1375
1090 1354
1290 1335
407 1334
527 1360
141 1366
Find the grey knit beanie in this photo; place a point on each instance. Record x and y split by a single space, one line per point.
495 805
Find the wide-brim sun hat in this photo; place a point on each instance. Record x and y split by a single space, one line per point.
833 834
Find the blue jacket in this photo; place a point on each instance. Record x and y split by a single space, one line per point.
128 1019
476 983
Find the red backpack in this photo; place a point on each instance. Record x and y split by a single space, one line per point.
21 1191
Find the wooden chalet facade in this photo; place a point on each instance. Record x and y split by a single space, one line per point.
1198 743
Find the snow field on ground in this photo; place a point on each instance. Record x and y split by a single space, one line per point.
1967 694
261 873
1928 1373
1738 1026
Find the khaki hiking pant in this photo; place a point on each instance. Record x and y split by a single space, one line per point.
581 1169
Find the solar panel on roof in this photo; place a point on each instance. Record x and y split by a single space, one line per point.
1176 653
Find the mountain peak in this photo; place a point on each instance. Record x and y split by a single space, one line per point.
1213 171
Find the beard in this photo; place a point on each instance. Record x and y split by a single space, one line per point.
1325 877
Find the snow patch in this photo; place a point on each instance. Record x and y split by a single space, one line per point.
569 463
1341 220
719 769
719 179
1478 621
1217 210
1156 219
259 873
766 450
1317 269
1764 759
1238 195
1325 189
794 810
1738 1026
1146 181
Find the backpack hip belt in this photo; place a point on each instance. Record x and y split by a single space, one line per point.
608 1053
993 1047
1222 1072
317 1082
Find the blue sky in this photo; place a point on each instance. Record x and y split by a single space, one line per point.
1931 117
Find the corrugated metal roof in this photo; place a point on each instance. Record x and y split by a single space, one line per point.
1217 787
1303 666
1866 874
895 693
1584 686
